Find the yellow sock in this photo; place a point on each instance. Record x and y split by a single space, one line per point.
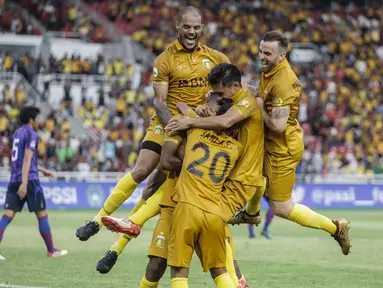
224 281
145 283
243 278
179 283
124 188
150 209
230 265
120 244
306 217
138 206
254 204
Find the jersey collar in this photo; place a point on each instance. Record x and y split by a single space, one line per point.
281 65
179 47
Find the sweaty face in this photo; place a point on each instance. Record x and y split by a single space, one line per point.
189 31
226 92
270 55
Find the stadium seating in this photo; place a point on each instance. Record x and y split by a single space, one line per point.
341 107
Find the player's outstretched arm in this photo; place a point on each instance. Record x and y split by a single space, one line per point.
183 108
277 121
169 158
220 122
162 110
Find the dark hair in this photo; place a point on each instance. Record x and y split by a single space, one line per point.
225 74
188 10
277 36
27 113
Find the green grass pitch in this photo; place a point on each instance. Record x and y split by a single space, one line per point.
296 257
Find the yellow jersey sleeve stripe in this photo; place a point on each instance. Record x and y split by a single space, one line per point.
160 82
169 139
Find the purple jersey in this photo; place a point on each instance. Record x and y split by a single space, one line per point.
24 138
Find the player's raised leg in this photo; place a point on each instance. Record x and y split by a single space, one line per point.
145 212
147 161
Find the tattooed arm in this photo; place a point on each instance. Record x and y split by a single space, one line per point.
162 110
277 121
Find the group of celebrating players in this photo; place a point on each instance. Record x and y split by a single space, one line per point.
214 146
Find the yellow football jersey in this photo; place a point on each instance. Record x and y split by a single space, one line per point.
186 73
170 199
280 87
209 159
249 167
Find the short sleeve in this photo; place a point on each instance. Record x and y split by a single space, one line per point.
191 113
284 94
220 57
246 106
161 70
223 58
31 141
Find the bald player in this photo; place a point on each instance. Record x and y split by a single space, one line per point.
179 74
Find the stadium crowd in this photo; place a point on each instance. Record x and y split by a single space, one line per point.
341 108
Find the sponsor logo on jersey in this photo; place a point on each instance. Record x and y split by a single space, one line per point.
195 82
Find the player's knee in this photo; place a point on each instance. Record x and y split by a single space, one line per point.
155 269
179 272
281 209
41 214
9 213
215 272
141 172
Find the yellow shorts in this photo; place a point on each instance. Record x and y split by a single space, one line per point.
280 173
154 138
160 239
235 195
169 190
191 226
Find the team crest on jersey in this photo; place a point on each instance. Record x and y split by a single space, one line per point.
155 72
158 130
160 240
207 64
277 101
243 103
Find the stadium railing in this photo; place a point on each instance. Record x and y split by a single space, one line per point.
14 77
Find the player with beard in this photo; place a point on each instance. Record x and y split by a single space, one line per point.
179 74
279 95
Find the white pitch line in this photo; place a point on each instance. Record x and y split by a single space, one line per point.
15 286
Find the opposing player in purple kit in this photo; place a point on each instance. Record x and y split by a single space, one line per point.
24 185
